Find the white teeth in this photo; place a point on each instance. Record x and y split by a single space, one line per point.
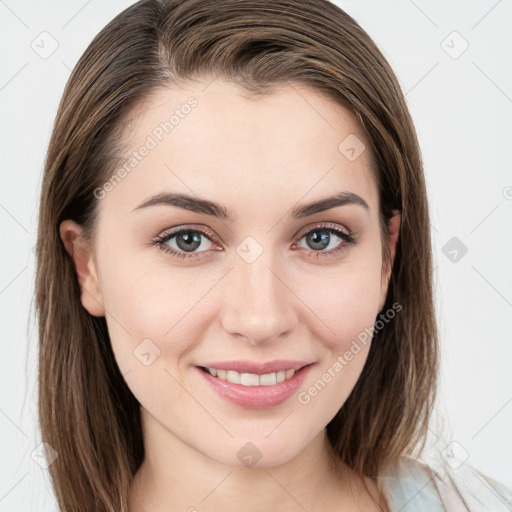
268 379
251 379
233 377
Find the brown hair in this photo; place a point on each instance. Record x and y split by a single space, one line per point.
86 411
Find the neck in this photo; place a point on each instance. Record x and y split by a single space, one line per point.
175 476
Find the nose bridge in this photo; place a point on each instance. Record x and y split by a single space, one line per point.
258 305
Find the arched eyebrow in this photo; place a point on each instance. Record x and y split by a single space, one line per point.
207 207
341 199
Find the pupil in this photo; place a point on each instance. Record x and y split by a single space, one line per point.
192 241
322 240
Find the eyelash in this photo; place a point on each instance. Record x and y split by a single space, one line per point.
161 240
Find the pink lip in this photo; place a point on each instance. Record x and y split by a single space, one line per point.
256 368
256 397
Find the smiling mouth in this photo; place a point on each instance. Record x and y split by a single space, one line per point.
250 379
255 390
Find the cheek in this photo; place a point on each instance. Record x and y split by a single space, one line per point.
157 312
151 333
347 303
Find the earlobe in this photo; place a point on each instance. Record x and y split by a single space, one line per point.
393 230
81 254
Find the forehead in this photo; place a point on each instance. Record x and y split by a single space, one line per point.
216 139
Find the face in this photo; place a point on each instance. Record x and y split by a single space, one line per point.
240 276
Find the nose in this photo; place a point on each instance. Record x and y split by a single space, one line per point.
258 304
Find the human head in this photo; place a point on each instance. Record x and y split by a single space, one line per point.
259 45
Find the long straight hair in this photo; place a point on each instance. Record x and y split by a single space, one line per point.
86 411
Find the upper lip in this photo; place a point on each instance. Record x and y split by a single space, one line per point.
256 368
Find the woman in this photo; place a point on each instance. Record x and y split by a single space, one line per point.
234 271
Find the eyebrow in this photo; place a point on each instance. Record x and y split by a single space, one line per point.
200 205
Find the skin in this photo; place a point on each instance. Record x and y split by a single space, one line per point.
260 157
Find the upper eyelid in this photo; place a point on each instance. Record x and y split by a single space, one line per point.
323 225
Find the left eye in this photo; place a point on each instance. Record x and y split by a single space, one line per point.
320 239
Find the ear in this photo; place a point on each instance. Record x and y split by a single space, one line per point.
393 230
81 253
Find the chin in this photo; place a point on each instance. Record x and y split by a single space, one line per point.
257 451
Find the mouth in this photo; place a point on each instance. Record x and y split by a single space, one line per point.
251 379
262 389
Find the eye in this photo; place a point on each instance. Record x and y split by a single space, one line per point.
327 236
184 242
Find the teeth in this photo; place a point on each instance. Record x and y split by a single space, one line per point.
233 377
251 379
268 379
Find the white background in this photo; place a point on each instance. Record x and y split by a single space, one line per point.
462 108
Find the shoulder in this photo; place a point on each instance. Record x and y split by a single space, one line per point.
411 485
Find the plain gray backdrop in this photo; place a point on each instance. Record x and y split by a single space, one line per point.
453 60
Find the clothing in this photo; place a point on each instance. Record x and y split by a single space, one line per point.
411 485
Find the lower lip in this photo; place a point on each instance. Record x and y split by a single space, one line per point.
257 397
